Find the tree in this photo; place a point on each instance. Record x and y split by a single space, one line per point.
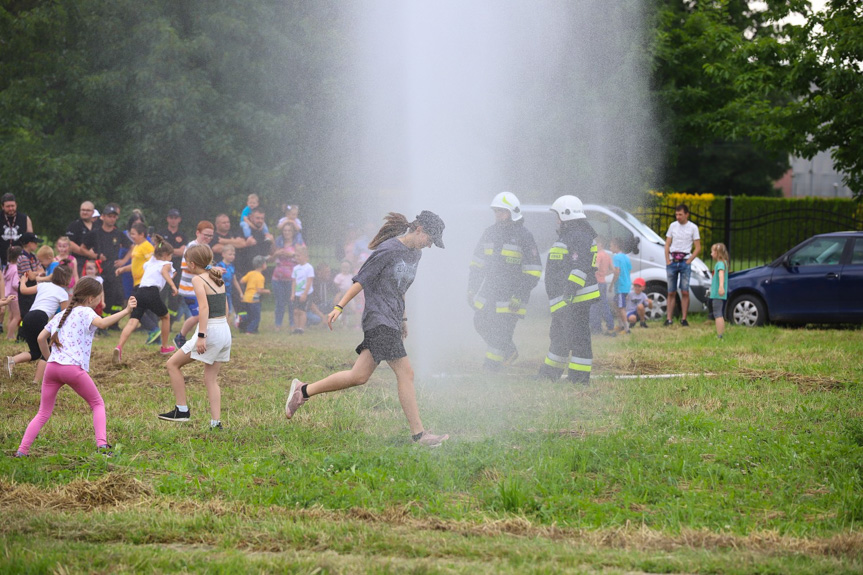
736 72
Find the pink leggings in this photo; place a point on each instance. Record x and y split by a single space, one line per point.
56 376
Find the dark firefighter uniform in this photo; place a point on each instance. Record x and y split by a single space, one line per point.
506 266
570 282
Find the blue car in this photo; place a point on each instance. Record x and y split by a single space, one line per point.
819 281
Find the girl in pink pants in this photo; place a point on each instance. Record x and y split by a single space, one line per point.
70 339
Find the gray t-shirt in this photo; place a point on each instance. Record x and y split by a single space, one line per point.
385 277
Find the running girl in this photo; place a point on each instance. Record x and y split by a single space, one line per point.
67 341
212 344
384 278
157 272
49 297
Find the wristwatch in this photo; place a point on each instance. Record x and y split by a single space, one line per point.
202 335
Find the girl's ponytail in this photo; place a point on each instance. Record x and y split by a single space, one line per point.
396 225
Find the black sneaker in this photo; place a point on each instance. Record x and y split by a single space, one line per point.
105 450
176 415
179 340
668 322
643 324
684 323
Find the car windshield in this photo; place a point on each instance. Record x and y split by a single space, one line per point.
648 233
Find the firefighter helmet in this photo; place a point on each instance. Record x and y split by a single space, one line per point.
508 201
568 208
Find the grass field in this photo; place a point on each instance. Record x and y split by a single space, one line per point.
750 462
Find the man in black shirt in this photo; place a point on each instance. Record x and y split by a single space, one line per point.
14 224
106 240
77 233
258 243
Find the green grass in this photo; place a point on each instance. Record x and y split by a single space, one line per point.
751 463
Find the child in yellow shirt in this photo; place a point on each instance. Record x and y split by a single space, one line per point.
254 282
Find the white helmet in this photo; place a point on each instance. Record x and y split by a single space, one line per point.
568 208
508 201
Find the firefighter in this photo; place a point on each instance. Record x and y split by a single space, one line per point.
506 266
570 282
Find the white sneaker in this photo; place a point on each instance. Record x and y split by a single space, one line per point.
431 440
10 365
295 398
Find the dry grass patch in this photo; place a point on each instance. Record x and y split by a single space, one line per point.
805 383
110 490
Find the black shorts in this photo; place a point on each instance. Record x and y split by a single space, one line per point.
301 305
150 299
384 342
33 324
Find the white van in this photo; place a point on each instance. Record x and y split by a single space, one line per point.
645 248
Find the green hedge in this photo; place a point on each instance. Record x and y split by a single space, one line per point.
762 229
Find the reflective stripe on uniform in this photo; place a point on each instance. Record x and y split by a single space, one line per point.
488 249
503 307
494 355
578 277
556 303
479 302
477 263
557 251
580 363
535 271
511 251
555 361
585 294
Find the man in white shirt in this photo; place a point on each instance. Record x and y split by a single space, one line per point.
682 245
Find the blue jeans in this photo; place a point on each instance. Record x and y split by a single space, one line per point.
678 276
600 310
253 317
282 294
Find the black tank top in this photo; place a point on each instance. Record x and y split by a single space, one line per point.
217 302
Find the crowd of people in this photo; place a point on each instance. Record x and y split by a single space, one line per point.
214 283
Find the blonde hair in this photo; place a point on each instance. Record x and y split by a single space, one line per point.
202 256
86 288
721 253
45 252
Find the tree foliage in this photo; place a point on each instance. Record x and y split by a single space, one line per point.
167 103
737 74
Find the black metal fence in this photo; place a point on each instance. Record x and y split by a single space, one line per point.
756 232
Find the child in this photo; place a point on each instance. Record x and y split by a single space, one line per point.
140 253
158 272
292 213
637 304
229 276
719 287
29 266
11 280
212 344
254 282
45 255
600 310
67 341
386 277
302 286
285 260
64 257
622 267
252 202
48 297
92 270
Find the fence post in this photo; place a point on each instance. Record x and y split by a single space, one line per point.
728 223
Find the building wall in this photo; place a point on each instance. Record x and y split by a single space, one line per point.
816 177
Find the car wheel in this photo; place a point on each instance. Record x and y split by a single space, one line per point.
748 310
658 293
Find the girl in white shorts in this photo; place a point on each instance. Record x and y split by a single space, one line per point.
211 345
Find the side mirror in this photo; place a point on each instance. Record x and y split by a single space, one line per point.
634 243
